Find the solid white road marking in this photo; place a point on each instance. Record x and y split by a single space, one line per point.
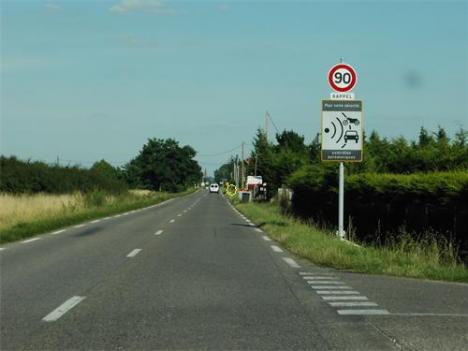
117 215
323 287
291 262
362 312
2 248
352 304
172 221
30 240
159 232
337 292
266 238
58 232
63 308
258 230
79 226
95 221
341 298
105 218
276 248
134 253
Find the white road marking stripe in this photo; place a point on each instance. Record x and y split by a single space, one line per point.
105 218
179 215
323 287
117 215
63 308
124 214
258 230
58 232
314 273
341 298
325 282
319 278
276 248
352 304
172 221
291 262
266 238
79 226
159 232
134 253
337 292
96 221
2 248
362 312
30 240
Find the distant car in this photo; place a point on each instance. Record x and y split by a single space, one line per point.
351 135
214 188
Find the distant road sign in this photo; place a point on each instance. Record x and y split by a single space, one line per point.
342 131
342 78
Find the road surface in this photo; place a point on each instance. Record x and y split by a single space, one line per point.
192 273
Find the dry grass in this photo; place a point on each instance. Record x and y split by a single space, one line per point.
27 208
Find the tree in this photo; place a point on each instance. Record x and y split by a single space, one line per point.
164 165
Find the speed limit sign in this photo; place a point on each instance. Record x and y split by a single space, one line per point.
342 77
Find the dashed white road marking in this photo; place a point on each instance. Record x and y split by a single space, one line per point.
258 230
337 292
105 218
58 231
124 214
79 226
63 308
117 215
343 298
362 312
319 278
133 253
179 215
266 238
2 248
325 287
291 262
276 248
159 232
30 240
352 304
95 221
172 221
325 282
312 273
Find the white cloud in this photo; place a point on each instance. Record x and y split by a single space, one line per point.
152 6
53 7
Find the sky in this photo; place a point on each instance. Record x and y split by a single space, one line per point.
88 80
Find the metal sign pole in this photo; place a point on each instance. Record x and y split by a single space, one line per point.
341 233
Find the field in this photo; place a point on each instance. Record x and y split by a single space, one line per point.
24 215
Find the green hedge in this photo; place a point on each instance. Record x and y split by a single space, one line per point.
383 206
18 176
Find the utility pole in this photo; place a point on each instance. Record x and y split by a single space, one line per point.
267 116
242 166
256 161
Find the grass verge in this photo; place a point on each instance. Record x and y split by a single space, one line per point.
44 213
426 260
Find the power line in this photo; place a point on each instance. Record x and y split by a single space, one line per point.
220 153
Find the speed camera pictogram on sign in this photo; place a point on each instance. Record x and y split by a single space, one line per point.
342 77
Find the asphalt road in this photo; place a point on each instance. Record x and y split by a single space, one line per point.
192 273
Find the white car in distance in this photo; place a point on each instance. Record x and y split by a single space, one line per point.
214 188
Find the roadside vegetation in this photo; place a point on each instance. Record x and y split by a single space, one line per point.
22 216
407 257
402 189
36 197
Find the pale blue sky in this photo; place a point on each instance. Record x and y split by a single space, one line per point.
86 80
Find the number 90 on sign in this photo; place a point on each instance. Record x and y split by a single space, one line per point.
342 77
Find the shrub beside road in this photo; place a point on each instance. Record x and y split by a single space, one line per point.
427 259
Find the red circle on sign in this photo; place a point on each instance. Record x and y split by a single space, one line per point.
351 71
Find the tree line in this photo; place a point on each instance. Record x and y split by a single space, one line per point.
161 165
